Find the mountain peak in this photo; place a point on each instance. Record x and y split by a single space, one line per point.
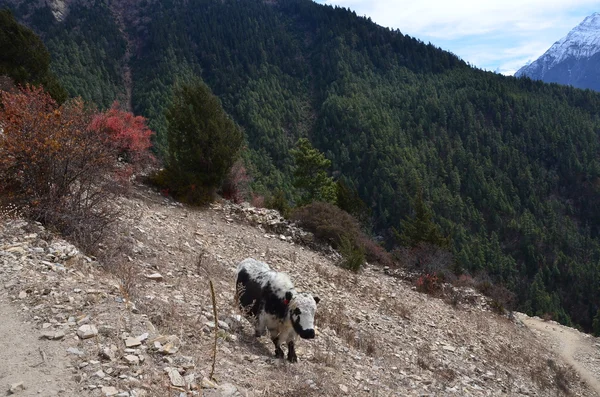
581 43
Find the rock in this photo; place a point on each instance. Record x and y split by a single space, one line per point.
171 344
208 384
132 359
155 277
227 390
343 388
75 351
22 295
87 331
100 374
109 391
107 354
16 387
52 335
176 379
224 325
449 348
132 342
83 320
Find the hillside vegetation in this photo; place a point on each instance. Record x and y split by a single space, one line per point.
508 169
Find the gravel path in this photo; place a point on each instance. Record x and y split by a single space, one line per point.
41 366
573 347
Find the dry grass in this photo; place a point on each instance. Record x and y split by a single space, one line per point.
425 359
394 307
334 317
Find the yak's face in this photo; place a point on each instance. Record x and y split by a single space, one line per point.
302 313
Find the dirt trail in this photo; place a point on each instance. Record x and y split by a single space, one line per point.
570 344
41 365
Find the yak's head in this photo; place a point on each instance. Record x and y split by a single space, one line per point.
302 309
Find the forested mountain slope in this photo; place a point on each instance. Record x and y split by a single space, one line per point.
509 167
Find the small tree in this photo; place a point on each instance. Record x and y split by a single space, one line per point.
311 176
203 143
420 228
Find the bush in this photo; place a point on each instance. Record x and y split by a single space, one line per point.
128 134
428 283
502 298
328 223
353 256
278 202
332 225
427 258
203 144
236 186
55 168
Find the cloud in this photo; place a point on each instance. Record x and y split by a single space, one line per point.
490 34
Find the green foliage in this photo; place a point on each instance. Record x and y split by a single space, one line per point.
24 58
204 143
310 175
421 228
353 256
348 199
279 202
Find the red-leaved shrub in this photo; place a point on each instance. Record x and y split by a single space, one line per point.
428 283
127 134
55 167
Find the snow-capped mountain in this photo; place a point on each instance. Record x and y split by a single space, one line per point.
573 60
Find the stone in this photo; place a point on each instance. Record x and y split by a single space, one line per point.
224 325
175 377
16 387
208 384
109 391
132 359
449 348
132 342
52 335
227 390
343 388
87 331
22 295
75 351
155 277
107 354
83 320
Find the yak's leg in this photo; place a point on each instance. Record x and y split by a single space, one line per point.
292 352
278 349
261 325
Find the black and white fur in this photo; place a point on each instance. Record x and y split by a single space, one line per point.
270 301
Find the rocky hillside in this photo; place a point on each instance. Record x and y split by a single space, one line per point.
142 325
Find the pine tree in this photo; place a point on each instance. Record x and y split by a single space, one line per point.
203 143
420 228
310 176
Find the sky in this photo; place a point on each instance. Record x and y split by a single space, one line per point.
497 35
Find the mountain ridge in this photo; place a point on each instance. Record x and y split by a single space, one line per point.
571 60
